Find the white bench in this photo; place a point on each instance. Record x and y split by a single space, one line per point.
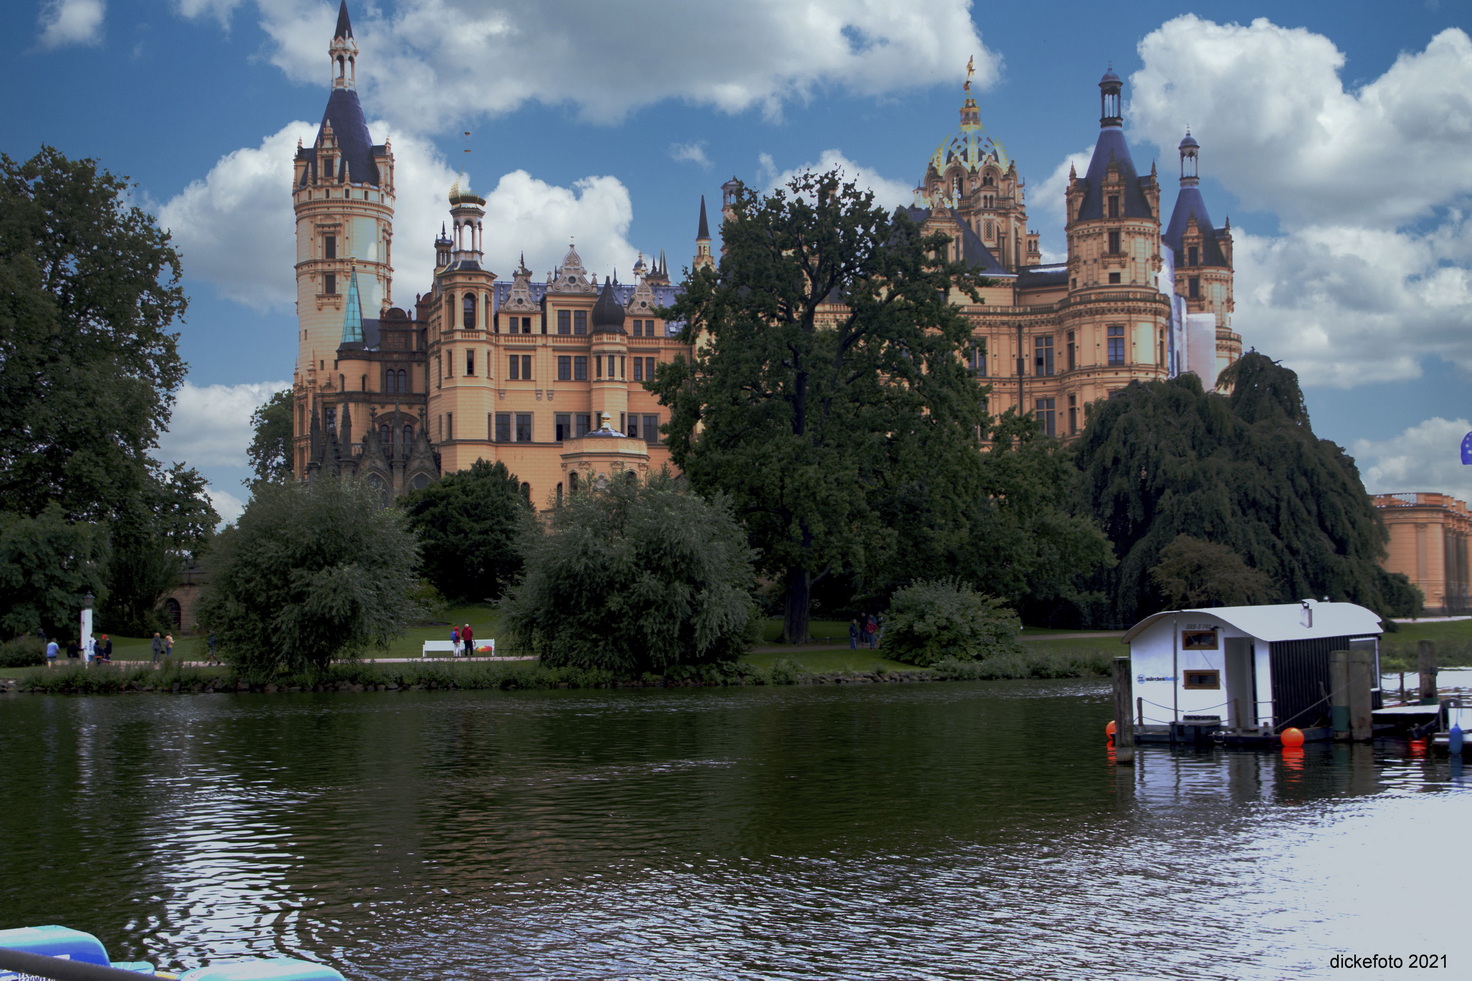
451 648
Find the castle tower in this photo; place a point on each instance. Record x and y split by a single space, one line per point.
971 176
343 198
703 259
609 347
1203 259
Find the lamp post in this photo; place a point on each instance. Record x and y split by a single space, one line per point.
86 631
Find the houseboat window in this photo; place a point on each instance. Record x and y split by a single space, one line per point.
1202 679
1198 640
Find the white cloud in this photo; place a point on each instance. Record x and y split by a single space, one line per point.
1371 272
1279 129
234 226
888 193
1426 457
1345 306
690 153
68 22
227 505
1047 200
210 424
219 10
431 62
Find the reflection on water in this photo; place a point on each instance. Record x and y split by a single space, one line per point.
878 831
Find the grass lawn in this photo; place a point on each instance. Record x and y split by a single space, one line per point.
1452 640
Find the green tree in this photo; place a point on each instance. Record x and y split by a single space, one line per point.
270 445
932 620
469 525
827 382
311 572
47 564
89 289
1196 573
1245 471
635 576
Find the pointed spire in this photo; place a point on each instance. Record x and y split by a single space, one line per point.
344 25
703 232
352 320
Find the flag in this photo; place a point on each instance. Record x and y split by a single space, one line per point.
1467 449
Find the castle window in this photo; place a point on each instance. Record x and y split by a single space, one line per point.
564 367
580 321
385 434
1191 256
976 359
1114 206
597 367
564 321
469 320
331 420
1116 343
1114 279
1114 242
449 425
363 384
648 369
1070 355
403 380
408 437
564 425
1044 409
611 364
1072 414
991 229
651 430
329 247
329 283
1043 356
581 424
521 367
503 427
523 427
580 367
1193 287
470 362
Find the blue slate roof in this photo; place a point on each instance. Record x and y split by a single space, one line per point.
355 161
1112 148
664 294
1039 277
974 252
1190 202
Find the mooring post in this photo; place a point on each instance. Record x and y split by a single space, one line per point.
1339 693
1124 723
1361 680
1426 661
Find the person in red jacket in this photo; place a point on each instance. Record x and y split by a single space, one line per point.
467 636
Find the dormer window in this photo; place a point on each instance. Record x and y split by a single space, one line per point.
1114 206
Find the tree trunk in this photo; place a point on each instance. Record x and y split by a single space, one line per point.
795 618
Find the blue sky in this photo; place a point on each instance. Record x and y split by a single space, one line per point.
1336 137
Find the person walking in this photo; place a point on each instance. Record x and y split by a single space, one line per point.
468 636
158 647
454 641
104 649
168 645
871 630
853 634
52 650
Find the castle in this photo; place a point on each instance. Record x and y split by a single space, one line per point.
547 375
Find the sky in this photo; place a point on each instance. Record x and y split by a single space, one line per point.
1335 136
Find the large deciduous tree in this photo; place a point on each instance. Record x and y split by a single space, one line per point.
469 525
827 382
89 292
311 572
269 452
1243 471
635 576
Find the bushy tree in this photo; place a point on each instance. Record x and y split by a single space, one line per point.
47 564
932 620
311 572
1196 573
269 452
469 525
89 364
827 384
1245 471
634 576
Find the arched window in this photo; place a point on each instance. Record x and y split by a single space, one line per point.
174 612
403 380
385 435
408 437
469 320
364 383
526 492
572 482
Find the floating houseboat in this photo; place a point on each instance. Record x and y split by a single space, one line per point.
1244 674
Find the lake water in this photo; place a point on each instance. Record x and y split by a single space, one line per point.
976 830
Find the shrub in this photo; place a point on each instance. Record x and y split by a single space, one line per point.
930 621
22 652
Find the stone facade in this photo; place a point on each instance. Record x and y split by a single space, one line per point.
1428 543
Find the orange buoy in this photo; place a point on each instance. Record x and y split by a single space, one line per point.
1418 747
1292 738
1109 732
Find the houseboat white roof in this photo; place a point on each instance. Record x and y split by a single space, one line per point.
1283 621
